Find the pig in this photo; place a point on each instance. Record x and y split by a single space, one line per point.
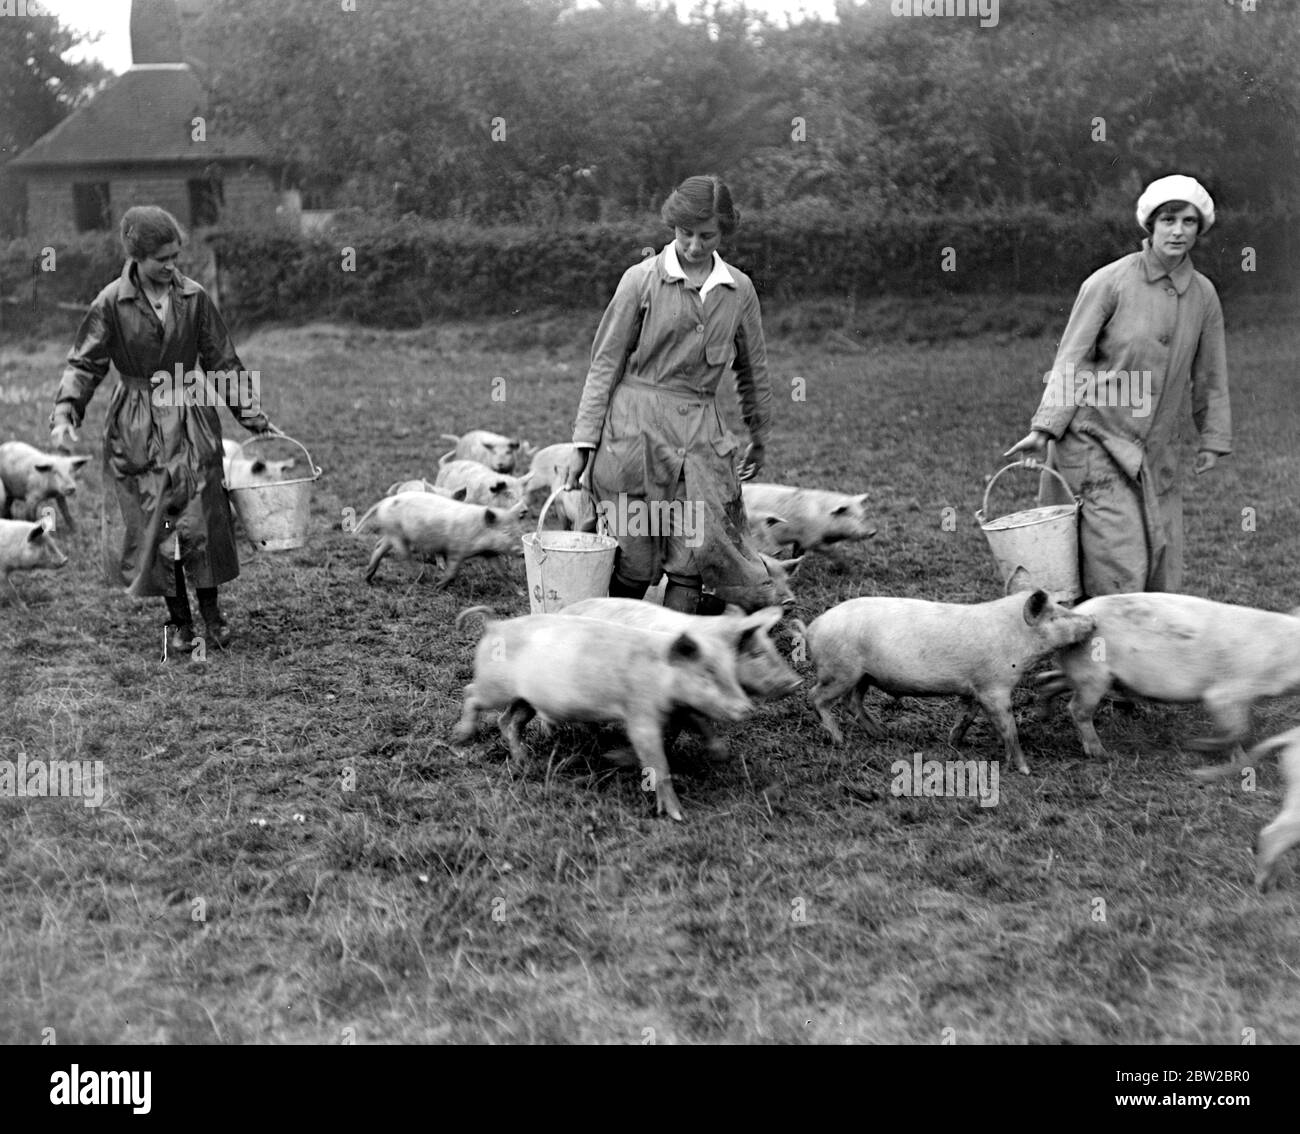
1283 833
427 525
760 669
244 472
581 669
774 591
574 509
423 485
31 477
27 546
910 647
815 518
499 453
482 485
1179 648
769 532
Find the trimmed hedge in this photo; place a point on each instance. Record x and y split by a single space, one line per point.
404 273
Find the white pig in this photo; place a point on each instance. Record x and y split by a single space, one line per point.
581 669
769 532
26 546
815 518
423 485
499 453
243 472
574 509
910 647
760 669
774 591
425 525
1180 648
482 485
1283 833
31 477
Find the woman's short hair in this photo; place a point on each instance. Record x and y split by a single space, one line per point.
698 198
146 228
1169 207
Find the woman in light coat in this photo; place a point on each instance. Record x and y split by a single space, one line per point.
664 470
1142 358
162 434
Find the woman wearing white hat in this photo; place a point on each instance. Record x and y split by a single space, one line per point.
1142 353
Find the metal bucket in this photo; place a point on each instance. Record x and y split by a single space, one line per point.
1038 547
275 515
566 567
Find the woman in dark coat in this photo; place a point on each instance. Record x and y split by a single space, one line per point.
162 436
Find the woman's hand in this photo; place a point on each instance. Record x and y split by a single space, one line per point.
751 464
63 436
577 465
1205 461
1033 445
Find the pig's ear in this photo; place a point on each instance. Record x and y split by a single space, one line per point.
37 532
684 649
77 462
770 521
43 466
290 463
489 517
766 618
460 493
1035 604
499 487
842 510
792 565
259 467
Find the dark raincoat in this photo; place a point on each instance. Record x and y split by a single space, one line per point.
162 453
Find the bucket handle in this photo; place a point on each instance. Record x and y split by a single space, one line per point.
277 436
1038 465
601 522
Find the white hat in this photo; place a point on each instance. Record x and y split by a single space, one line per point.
1175 187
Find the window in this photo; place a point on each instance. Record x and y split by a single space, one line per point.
90 203
206 199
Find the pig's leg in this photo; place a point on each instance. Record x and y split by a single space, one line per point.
382 548
468 725
969 711
997 705
1051 685
1284 832
826 692
1083 703
453 569
622 758
715 745
647 740
858 700
1230 709
513 722
17 597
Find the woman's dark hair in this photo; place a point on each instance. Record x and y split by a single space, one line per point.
146 228
698 198
1168 207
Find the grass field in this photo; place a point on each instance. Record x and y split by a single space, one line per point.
290 850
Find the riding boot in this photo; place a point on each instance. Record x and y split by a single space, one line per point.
218 632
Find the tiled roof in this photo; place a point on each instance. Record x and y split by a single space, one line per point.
143 116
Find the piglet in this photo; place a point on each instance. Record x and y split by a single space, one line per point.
425 525
497 452
27 546
423 485
482 485
31 477
581 669
814 518
910 647
1179 648
247 472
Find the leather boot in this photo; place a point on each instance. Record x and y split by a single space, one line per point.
218 632
683 598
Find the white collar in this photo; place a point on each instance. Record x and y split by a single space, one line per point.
719 275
